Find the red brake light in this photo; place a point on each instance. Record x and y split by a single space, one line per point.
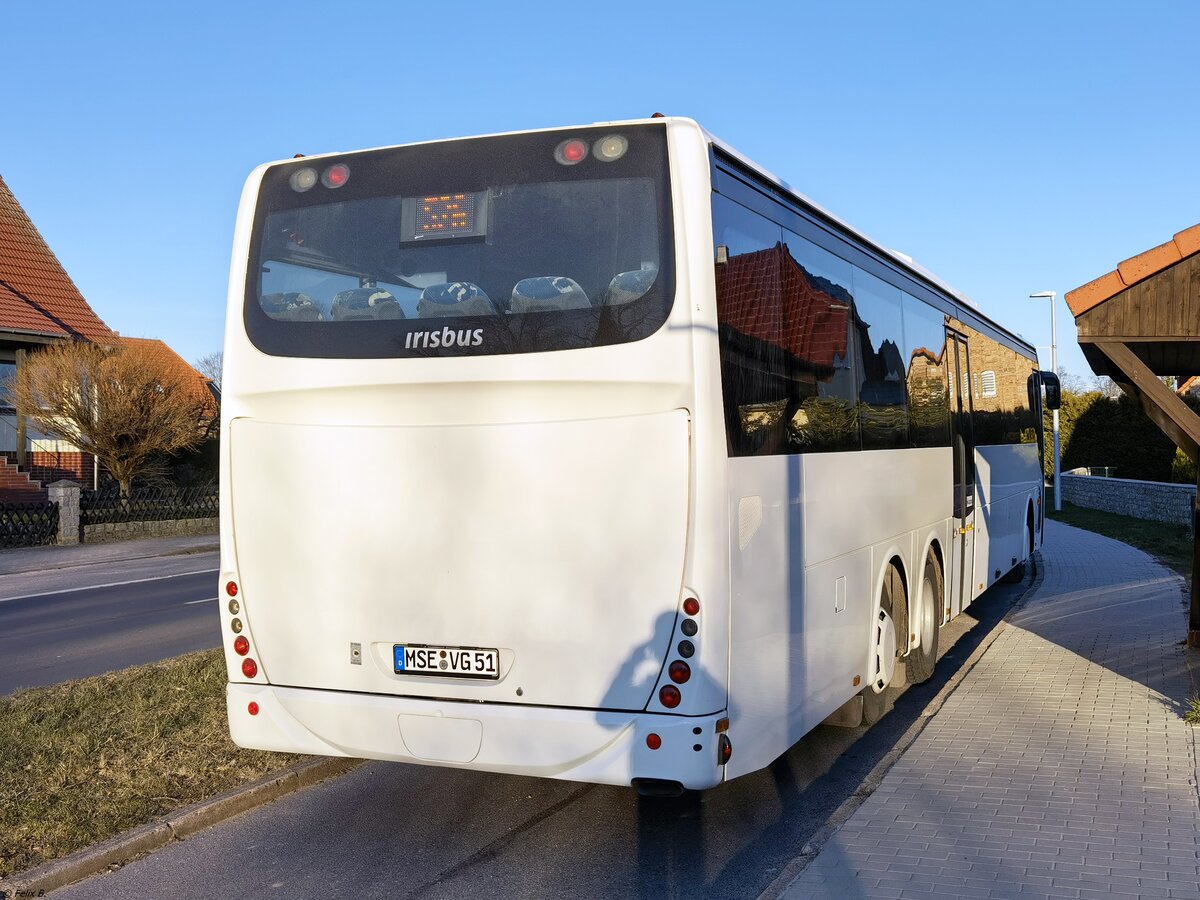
669 696
252 708
241 646
231 589
653 741
691 606
680 671
249 667
336 175
570 152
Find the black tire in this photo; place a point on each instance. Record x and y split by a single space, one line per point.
1032 546
894 601
923 658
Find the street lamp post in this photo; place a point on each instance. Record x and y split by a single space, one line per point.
1050 295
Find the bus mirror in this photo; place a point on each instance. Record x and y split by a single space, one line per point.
1053 390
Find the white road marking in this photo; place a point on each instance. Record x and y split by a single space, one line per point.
92 587
193 602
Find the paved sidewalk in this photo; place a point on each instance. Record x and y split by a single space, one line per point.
1060 767
39 559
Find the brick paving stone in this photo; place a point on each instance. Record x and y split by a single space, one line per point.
1059 767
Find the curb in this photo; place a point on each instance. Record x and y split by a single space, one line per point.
124 847
812 848
57 565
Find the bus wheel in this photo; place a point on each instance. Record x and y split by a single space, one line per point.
892 609
922 658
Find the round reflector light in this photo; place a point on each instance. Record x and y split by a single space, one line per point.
570 152
231 589
610 148
252 708
303 179
691 606
249 667
336 175
669 696
234 607
653 741
241 645
680 671
236 626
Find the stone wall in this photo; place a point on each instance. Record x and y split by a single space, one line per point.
123 531
1155 500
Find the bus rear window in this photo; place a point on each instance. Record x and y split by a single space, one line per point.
492 245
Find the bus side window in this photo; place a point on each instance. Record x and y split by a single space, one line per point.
820 310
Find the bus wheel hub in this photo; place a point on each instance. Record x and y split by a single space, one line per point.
884 662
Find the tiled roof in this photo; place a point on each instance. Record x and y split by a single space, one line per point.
36 293
1135 269
169 359
767 295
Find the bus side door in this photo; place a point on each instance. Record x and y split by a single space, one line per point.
962 557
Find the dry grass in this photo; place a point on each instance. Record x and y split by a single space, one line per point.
1192 714
84 760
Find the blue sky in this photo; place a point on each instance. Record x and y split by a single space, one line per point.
1009 148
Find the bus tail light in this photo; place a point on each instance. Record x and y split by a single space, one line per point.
653 741
610 148
570 152
336 175
303 180
724 749
691 606
249 667
669 696
680 671
252 708
241 646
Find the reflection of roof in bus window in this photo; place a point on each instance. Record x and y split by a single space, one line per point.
767 295
932 358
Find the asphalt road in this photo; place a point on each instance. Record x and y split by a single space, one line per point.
397 831
72 623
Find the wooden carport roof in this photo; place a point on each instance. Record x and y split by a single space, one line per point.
1141 321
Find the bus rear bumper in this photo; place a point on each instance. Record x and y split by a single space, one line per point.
568 744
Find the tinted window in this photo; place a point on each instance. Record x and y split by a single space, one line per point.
1000 391
491 245
756 369
826 417
925 352
883 404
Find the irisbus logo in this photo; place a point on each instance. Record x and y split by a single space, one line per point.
447 337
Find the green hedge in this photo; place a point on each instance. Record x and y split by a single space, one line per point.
1095 430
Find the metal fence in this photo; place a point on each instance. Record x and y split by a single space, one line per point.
28 524
107 506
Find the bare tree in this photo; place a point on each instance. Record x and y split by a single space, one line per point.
210 366
122 405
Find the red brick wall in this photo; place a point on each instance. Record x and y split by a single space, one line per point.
51 467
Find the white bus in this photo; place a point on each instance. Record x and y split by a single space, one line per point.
598 454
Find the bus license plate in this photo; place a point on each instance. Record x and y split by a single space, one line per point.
454 662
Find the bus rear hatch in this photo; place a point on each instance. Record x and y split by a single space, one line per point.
559 546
